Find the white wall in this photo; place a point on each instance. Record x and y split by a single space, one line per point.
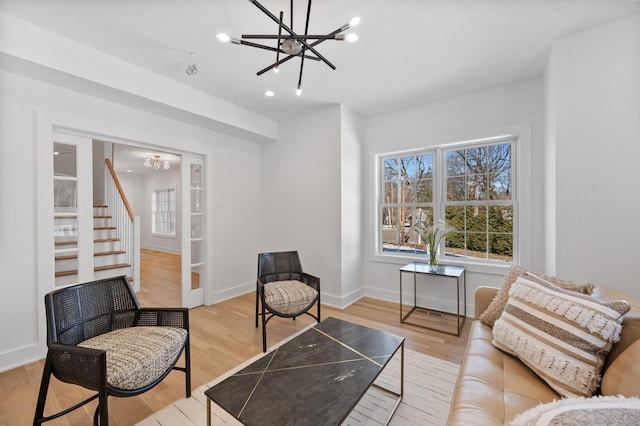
479 114
138 190
169 179
596 74
133 186
352 206
23 103
300 196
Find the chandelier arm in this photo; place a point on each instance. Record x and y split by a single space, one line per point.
306 32
261 46
290 31
329 36
279 35
315 43
282 61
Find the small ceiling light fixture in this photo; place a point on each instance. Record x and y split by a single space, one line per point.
292 44
156 162
269 93
192 70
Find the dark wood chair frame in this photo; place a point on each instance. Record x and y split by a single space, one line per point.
281 266
83 311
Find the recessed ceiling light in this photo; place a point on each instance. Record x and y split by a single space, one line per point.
128 170
269 93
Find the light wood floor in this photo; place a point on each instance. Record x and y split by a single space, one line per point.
222 336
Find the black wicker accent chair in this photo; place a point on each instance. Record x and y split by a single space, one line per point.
99 337
283 289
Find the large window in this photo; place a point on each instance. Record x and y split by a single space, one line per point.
470 186
163 212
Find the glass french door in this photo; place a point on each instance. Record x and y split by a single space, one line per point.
193 242
72 214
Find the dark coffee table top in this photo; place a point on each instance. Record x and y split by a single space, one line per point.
315 378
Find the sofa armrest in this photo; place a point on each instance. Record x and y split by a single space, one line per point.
484 295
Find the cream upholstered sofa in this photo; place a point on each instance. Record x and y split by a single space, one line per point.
494 387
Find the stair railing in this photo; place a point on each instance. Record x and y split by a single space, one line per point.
124 221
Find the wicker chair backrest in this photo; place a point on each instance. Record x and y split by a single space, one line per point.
83 311
279 266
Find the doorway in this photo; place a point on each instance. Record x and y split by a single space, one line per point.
169 194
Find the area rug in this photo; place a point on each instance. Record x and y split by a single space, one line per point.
428 390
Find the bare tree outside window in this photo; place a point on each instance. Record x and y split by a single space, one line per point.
476 183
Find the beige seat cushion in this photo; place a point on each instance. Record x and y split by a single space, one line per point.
138 356
289 297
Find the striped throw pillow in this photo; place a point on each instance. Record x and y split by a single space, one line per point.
562 336
495 308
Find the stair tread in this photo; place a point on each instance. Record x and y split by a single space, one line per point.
67 257
102 240
96 269
107 253
101 253
102 228
108 267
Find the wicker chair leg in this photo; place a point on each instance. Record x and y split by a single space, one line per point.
187 366
264 329
102 410
42 395
257 300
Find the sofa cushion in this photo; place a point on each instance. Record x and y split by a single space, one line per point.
289 297
493 387
607 410
138 356
495 308
561 335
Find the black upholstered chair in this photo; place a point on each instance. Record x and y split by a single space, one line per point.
283 289
99 337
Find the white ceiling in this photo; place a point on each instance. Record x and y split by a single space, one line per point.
130 159
410 52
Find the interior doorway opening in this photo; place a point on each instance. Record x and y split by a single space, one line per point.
159 191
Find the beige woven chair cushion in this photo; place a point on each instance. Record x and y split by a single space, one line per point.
289 297
138 356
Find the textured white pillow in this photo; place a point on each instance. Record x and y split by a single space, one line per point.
562 336
606 410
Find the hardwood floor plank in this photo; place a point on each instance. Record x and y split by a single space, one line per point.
222 336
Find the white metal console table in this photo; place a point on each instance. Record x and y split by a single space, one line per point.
449 271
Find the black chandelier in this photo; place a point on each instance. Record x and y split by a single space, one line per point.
290 44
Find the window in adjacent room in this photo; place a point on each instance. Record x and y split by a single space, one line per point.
163 212
470 186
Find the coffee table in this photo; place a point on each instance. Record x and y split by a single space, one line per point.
316 378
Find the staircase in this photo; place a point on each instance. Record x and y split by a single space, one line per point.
109 256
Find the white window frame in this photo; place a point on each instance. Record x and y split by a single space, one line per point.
154 212
522 184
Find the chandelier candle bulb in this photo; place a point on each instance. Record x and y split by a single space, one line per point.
223 37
